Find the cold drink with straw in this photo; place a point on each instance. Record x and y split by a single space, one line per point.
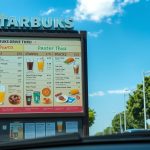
40 64
2 94
36 95
59 126
76 68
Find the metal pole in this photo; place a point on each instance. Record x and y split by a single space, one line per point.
120 124
125 123
144 101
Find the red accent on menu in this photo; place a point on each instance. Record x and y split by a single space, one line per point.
23 110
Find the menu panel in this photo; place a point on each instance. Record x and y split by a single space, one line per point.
40 129
40 75
29 131
16 131
50 129
71 126
20 129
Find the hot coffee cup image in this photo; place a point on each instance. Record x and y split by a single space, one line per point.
28 98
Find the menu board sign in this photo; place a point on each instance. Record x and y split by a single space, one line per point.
40 75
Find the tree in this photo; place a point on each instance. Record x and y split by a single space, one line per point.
99 133
135 105
135 108
108 130
116 123
92 115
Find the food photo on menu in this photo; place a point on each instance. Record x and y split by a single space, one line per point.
38 97
71 60
72 97
13 99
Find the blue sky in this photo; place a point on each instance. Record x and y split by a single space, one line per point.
118 45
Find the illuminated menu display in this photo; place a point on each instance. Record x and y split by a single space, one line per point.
40 75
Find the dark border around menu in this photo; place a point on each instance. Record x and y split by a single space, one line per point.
75 34
57 34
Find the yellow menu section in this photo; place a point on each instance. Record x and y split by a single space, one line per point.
40 72
10 47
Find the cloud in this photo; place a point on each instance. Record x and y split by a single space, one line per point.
97 10
95 34
99 93
49 11
122 91
126 2
109 20
67 11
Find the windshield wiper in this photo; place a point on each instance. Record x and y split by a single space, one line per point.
45 141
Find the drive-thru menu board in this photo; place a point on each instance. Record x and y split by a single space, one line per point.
40 75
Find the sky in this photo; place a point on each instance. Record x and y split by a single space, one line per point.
118 45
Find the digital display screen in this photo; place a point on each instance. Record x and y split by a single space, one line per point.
40 75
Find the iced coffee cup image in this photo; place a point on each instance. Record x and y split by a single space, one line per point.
40 64
36 95
30 64
76 68
59 126
2 94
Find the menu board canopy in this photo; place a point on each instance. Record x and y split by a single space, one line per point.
42 75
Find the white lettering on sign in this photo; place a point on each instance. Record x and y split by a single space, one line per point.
35 22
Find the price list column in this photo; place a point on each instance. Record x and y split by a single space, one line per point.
67 81
38 80
11 78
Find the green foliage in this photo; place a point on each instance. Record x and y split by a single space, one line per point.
135 104
134 109
116 123
116 128
99 133
108 130
92 114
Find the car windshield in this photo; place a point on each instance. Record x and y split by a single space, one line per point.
74 66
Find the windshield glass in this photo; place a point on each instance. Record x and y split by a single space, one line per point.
74 67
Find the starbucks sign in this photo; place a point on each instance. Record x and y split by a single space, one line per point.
35 23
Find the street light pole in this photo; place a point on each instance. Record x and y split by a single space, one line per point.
144 101
125 123
120 124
